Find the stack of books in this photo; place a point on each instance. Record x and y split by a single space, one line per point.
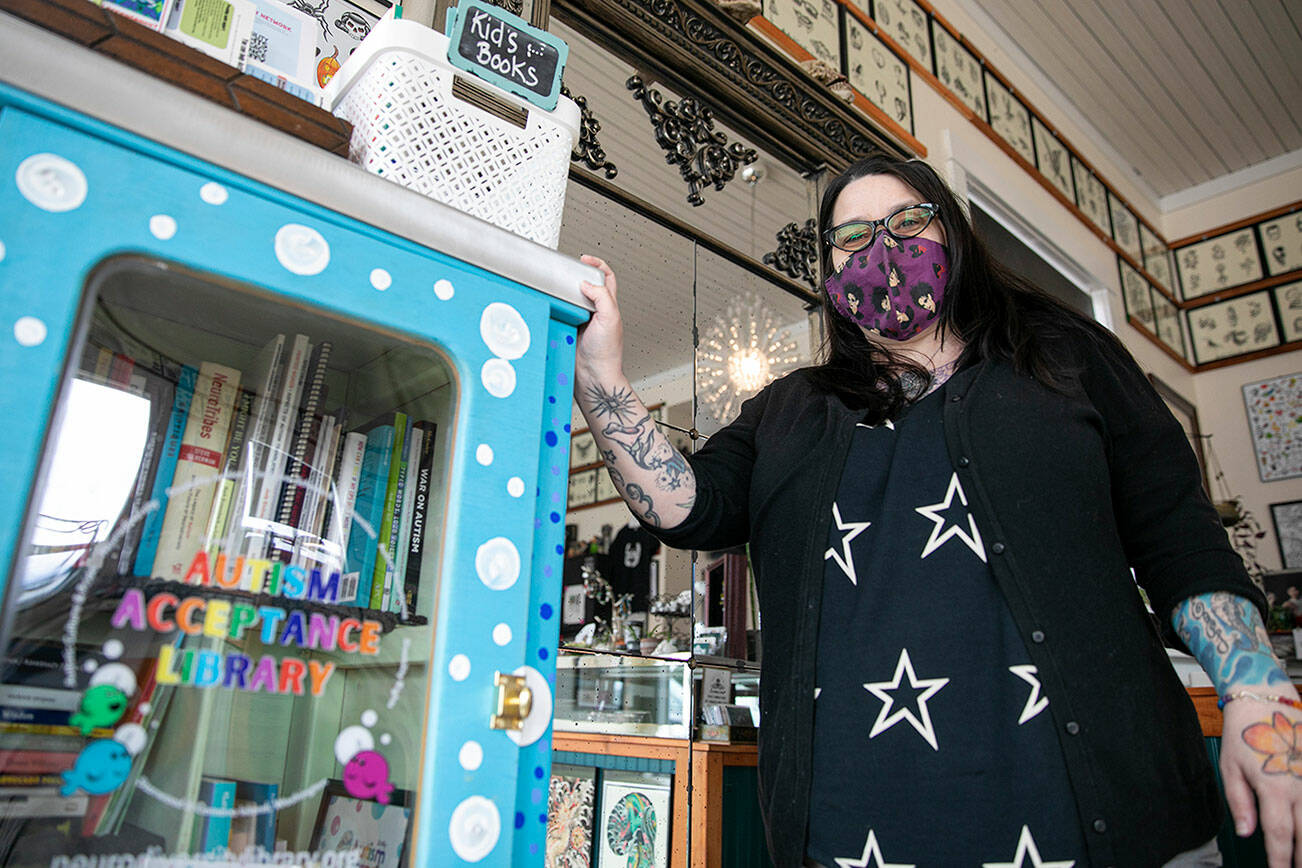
249 466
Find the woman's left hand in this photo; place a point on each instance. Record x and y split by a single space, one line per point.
1261 765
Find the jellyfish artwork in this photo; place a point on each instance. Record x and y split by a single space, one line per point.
631 830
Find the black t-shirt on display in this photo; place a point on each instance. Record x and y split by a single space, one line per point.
629 560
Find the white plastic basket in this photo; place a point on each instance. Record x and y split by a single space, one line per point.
396 91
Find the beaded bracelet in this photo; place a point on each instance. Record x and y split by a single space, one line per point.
1247 694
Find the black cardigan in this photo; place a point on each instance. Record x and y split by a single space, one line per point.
1071 489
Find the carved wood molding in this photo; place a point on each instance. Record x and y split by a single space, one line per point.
797 252
587 150
694 48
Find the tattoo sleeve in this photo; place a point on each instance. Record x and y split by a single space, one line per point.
650 474
1226 635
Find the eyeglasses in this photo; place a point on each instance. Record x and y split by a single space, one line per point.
907 222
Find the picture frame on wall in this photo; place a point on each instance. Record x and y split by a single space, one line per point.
1166 320
583 488
1233 327
1274 409
958 69
1052 158
1281 238
1287 520
878 73
1288 301
571 806
1156 257
583 449
1091 196
635 820
905 22
1223 262
1009 118
1187 415
814 25
1125 228
1134 292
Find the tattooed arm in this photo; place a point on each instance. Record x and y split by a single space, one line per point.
1261 744
649 473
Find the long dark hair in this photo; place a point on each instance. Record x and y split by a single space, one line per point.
995 313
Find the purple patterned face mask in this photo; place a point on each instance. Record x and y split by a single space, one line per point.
893 289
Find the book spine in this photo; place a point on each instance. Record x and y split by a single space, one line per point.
198 460
224 502
347 483
384 531
412 468
216 829
416 540
285 413
370 508
153 523
293 492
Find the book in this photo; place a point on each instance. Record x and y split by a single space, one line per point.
40 802
362 551
279 441
411 467
254 829
293 492
386 533
416 537
224 501
198 461
214 832
152 524
337 519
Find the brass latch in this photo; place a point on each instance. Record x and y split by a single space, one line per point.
514 700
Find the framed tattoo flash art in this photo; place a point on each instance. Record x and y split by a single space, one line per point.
876 72
583 449
583 488
1009 118
570 806
1288 298
634 820
1275 419
1091 196
1125 228
813 24
1053 159
1134 292
1232 328
605 490
1166 322
906 23
1287 519
1157 258
959 70
1281 238
1218 263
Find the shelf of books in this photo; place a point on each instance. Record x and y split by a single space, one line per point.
280 469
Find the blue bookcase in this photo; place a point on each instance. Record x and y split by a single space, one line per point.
143 231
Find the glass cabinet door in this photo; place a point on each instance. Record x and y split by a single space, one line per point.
219 623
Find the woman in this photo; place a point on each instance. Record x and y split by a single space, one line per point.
943 517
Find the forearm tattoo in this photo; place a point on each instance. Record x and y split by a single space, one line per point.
638 438
1225 633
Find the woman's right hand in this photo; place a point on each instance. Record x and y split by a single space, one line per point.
600 347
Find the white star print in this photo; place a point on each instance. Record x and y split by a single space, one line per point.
1035 703
885 720
1025 846
937 538
846 560
872 855
887 424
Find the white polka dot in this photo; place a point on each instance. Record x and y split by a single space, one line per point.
476 825
504 331
2 251
498 377
213 193
29 331
385 738
459 667
89 666
502 634
162 226
443 289
144 707
112 649
540 713
369 717
484 454
471 756
515 486
51 183
381 279
498 563
302 250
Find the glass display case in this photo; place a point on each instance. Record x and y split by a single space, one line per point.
283 517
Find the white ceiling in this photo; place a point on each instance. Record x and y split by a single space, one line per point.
1182 91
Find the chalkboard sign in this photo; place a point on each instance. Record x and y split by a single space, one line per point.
505 50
